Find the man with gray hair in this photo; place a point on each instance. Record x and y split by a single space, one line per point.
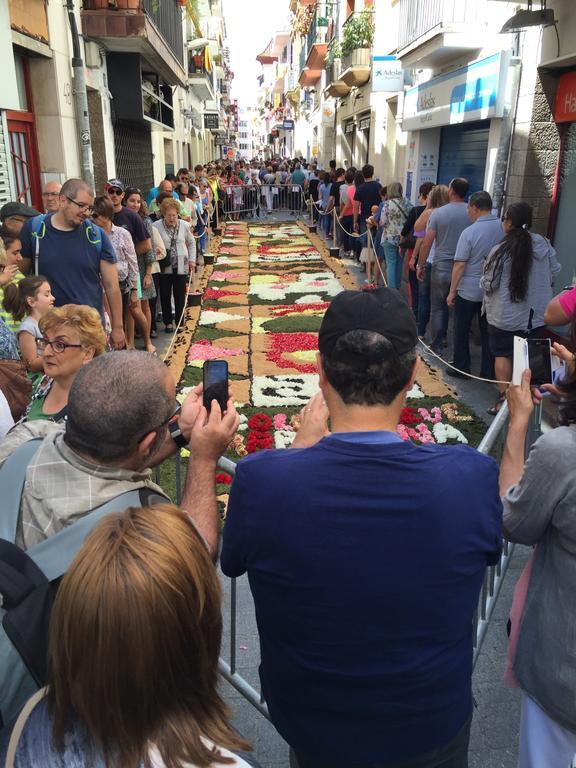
51 196
75 255
122 420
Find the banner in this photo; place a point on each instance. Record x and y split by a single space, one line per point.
387 74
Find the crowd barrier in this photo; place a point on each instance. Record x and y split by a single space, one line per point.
257 201
492 444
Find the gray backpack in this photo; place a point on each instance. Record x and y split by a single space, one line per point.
29 581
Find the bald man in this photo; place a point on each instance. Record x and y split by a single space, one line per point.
51 196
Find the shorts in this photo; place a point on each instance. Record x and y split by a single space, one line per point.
502 342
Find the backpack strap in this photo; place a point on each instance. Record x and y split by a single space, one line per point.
20 725
38 232
54 555
93 235
12 479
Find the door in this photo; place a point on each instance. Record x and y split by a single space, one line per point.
463 152
563 239
24 158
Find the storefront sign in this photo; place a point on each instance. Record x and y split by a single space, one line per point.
475 92
387 74
565 111
328 112
349 127
288 125
220 141
364 123
211 120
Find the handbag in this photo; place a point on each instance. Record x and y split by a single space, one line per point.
16 386
167 260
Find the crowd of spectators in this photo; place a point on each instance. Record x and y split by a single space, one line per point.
365 583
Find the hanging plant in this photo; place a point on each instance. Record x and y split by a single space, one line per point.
358 33
334 52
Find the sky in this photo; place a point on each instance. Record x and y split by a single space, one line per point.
249 26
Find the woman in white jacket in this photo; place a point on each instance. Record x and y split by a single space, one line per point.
179 262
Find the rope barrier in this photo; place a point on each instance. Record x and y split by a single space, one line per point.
173 339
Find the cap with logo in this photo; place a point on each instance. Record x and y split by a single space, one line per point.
114 184
384 311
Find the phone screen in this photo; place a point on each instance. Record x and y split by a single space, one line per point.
540 361
215 374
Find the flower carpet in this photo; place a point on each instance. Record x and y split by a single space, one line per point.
263 303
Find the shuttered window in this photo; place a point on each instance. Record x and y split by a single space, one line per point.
6 191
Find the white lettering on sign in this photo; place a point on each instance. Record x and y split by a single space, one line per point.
570 102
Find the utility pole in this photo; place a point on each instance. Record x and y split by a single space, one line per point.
80 100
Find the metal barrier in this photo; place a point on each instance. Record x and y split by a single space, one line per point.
258 201
492 444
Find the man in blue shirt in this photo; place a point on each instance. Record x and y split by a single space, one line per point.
76 256
365 555
474 245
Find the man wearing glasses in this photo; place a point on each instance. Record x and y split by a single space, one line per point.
76 256
51 196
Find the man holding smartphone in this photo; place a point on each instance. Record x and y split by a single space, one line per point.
365 582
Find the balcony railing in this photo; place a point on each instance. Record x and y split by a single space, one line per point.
303 57
167 17
418 17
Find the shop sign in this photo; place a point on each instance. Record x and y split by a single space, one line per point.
230 152
349 127
328 112
211 120
288 125
474 92
220 141
387 74
364 123
565 111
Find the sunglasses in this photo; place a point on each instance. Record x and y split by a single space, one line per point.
115 192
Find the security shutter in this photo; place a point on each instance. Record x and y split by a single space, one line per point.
133 154
6 190
463 152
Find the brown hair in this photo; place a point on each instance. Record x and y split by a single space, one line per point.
170 202
84 320
16 295
134 642
103 207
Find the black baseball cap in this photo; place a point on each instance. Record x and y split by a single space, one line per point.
384 311
17 209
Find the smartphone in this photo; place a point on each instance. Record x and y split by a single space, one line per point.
215 377
540 361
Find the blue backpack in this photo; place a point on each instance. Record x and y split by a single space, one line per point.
92 232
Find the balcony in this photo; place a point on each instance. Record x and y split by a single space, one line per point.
200 78
153 29
313 53
432 32
334 85
356 67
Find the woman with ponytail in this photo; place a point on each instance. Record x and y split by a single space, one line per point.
27 302
517 283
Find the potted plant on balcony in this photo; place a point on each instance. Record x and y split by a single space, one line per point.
358 33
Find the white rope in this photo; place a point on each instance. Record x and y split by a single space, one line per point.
173 339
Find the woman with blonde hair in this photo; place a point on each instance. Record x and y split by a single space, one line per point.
71 336
179 262
395 210
437 197
134 642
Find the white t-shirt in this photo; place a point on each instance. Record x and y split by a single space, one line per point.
157 762
30 326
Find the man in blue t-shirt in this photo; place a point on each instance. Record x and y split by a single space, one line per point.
76 256
365 555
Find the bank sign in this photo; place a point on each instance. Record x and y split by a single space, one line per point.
474 92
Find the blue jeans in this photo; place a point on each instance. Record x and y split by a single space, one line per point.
464 313
424 301
439 290
393 264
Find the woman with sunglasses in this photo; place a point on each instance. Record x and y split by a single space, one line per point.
71 336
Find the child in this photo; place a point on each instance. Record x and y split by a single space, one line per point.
28 301
10 259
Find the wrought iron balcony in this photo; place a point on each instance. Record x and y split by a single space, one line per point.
153 29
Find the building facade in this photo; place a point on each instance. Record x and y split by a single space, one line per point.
154 77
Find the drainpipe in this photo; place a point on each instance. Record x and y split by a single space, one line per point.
80 100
